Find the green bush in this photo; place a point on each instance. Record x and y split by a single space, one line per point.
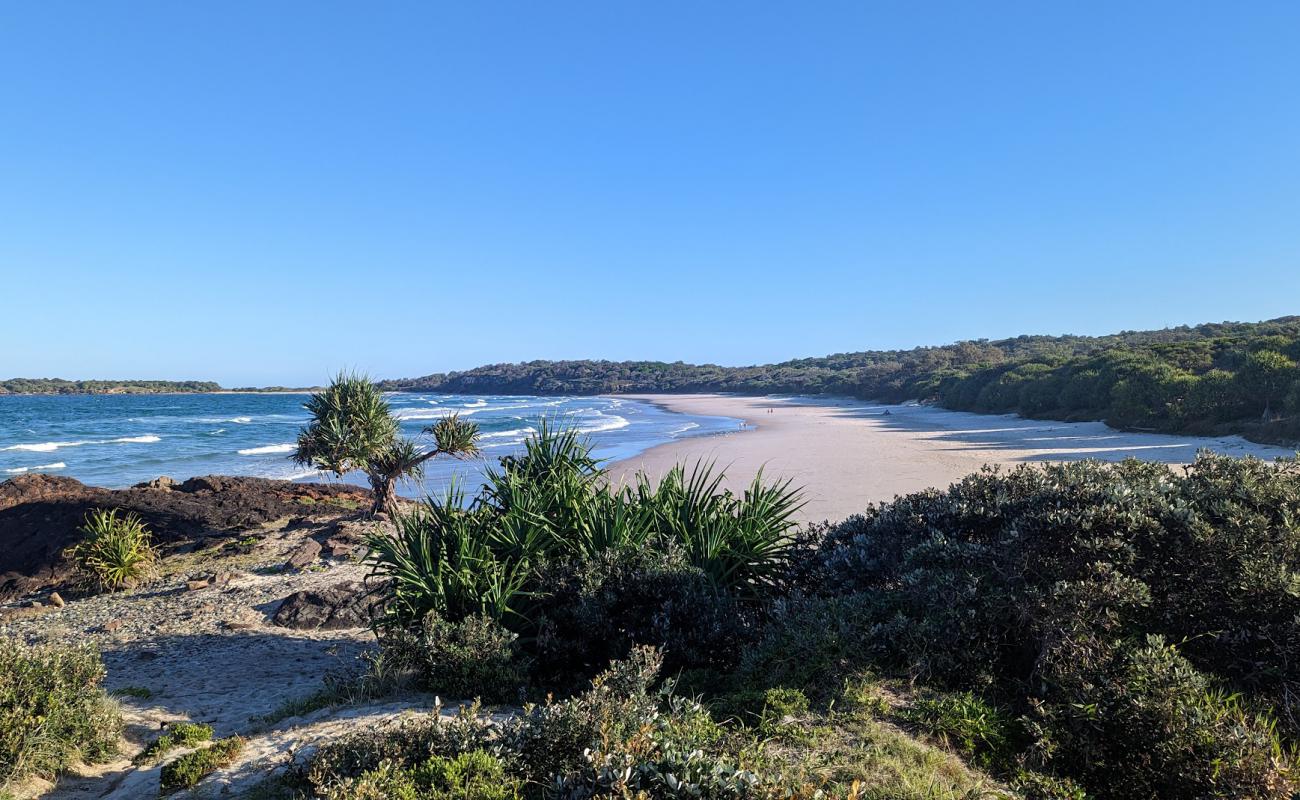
1032 585
1037 786
473 657
180 734
810 643
193 767
117 551
1140 721
620 738
594 610
441 561
52 710
473 775
966 723
583 571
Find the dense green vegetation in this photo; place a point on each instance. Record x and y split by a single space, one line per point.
60 386
53 712
1229 377
1084 630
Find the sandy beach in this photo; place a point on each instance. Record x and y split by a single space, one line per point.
849 453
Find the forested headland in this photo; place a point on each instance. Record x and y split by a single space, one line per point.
60 386
1204 379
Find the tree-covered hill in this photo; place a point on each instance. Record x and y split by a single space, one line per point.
1219 377
60 386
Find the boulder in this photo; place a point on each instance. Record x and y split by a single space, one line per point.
160 482
303 555
349 604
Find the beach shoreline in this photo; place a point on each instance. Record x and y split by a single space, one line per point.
848 453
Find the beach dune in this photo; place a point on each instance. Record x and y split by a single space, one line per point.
847 454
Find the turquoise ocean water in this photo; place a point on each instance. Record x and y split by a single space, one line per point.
119 440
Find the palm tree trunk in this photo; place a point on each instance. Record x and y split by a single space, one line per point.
384 488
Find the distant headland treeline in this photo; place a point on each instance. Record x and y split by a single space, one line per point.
1230 377
1214 378
60 386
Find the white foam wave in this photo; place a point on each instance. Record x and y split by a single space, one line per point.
610 422
268 449
688 426
43 447
518 433
38 468
49 447
241 420
479 403
439 413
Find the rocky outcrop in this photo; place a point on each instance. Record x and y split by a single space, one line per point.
40 516
350 604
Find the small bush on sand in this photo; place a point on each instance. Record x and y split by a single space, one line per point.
474 657
191 768
117 551
52 710
180 734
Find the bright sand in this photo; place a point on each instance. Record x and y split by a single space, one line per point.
848 453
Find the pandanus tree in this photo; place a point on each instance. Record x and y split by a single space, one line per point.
352 429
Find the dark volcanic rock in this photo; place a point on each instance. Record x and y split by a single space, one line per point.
161 482
349 604
40 515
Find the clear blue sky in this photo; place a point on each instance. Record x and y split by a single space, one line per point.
264 192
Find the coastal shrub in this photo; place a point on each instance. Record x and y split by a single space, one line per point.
581 570
626 738
179 734
810 643
116 551
472 657
474 775
590 611
1033 586
1037 786
1139 720
742 543
53 712
441 561
966 723
621 737
191 768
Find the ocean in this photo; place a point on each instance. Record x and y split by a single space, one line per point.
119 440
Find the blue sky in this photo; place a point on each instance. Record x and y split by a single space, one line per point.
265 192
